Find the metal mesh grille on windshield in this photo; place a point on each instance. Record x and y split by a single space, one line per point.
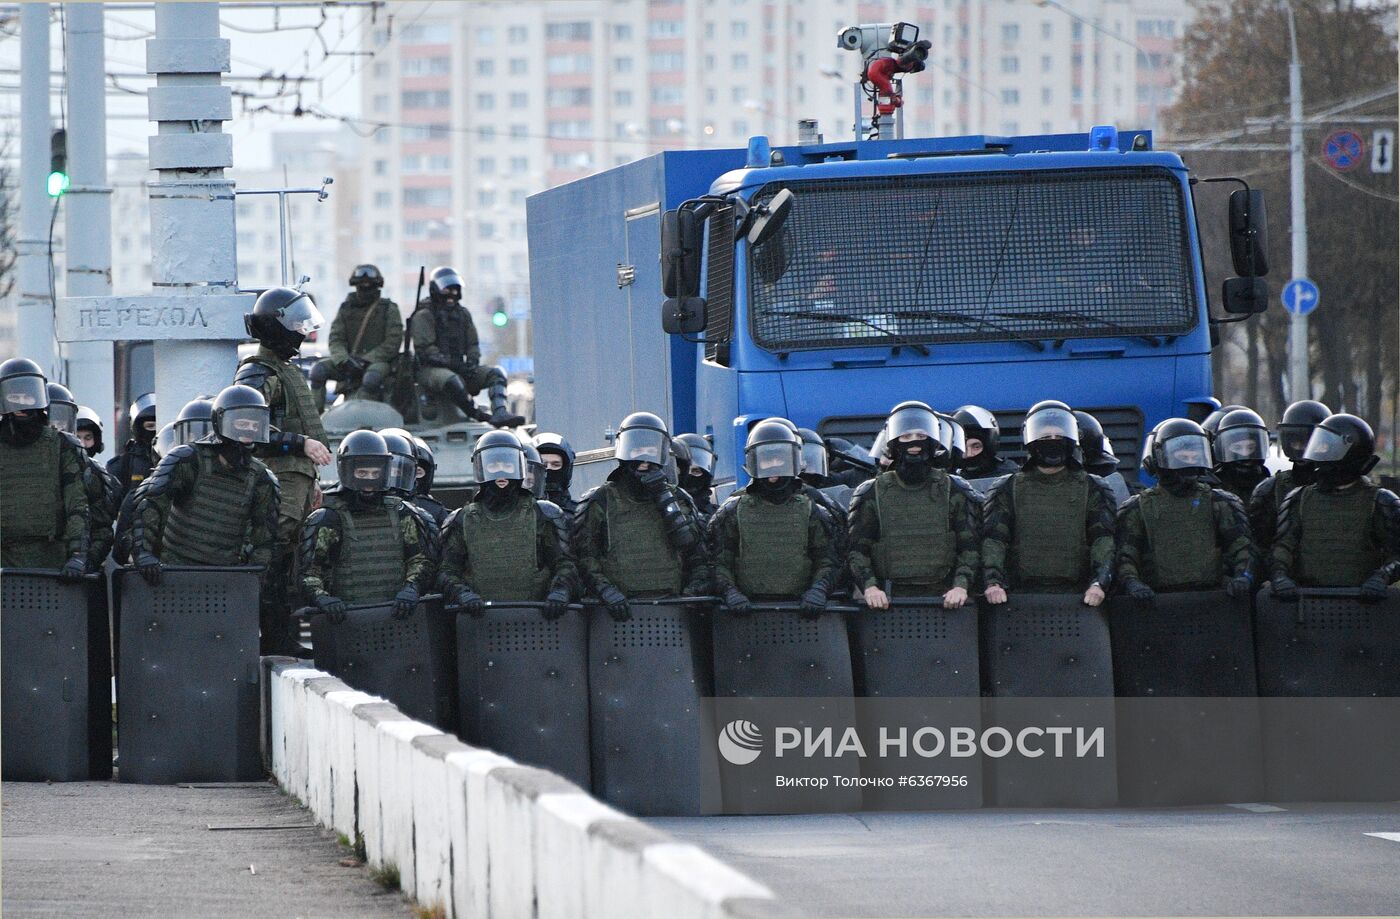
975 257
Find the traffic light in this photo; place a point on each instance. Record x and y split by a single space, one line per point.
499 317
58 163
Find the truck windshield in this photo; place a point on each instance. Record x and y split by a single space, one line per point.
961 258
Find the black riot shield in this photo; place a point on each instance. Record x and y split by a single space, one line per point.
44 662
1188 724
654 753
1049 647
775 652
1329 669
187 701
101 704
410 662
522 686
920 652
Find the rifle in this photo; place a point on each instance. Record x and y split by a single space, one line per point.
405 395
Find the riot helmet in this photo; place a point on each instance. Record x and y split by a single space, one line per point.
680 455
550 444
427 465
366 277
1181 445
1241 437
773 450
241 416
1096 449
362 463
1212 422
63 409
283 318
165 440
89 423
980 425
814 460
403 462
498 455
195 421
880 449
1051 435
1148 463
23 387
445 285
141 417
642 438
1343 447
953 439
534 481
702 457
1295 428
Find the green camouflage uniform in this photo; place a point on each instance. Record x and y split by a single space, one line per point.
625 542
870 558
1337 538
519 553
1188 547
773 550
1060 552
44 513
327 569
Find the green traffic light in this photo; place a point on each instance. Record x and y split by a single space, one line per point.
58 184
499 319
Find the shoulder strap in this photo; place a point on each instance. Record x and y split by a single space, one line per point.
364 324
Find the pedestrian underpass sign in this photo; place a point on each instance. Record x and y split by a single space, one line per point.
1300 296
1383 150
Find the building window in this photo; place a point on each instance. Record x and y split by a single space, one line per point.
622 31
1047 30
667 62
383 199
1047 95
485 102
485 229
666 28
739 62
570 128
517 196
1047 63
427 197
411 163
519 100
565 98
440 162
1010 97
667 95
381 102
519 130
569 63
485 36
383 231
622 65
486 165
413 99
568 31
519 165
426 33
622 97
517 35
1011 65
738 29
1010 32
381 167
485 197
485 67
518 66
486 264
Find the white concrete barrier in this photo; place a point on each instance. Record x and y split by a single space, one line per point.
473 832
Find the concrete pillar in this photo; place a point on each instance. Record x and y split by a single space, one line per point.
34 320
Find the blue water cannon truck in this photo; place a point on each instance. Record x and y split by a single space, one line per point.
826 282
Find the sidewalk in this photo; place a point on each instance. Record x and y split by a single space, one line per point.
98 849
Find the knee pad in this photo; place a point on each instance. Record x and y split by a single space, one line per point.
495 376
373 380
321 372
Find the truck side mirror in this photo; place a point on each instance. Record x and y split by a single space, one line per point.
1249 233
682 239
1245 296
683 315
767 219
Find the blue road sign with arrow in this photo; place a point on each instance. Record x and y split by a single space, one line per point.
1300 296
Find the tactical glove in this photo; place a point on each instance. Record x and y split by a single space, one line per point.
333 607
814 602
735 602
616 602
1138 590
1239 586
1375 588
469 602
556 603
405 602
149 567
73 569
1285 588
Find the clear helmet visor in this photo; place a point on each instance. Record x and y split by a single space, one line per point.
403 472
912 421
534 480
1293 439
191 430
165 440
702 460
1327 446
643 445
245 424
763 461
504 462
364 473
1241 444
1051 422
814 459
64 416
952 436
302 316
1188 451
24 394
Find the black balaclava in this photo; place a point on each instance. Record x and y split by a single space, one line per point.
142 436
1049 454
1179 481
785 487
497 498
633 478
366 296
913 468
1332 476
21 432
981 465
234 453
1242 474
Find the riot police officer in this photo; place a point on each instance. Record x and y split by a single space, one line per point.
982 435
43 502
636 535
138 457
403 462
772 542
89 431
1050 527
1240 444
558 459
449 353
195 421
1097 450
422 497
847 463
281 320
506 544
363 545
1342 530
697 477
365 338
211 502
1295 429
103 492
1182 534
913 529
